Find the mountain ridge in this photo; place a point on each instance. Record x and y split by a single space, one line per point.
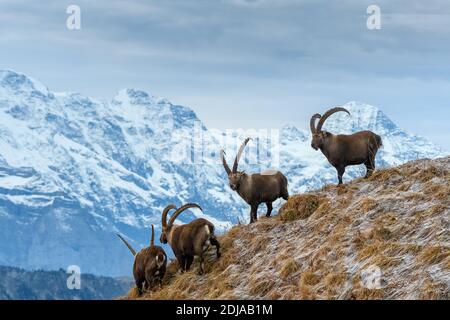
19 284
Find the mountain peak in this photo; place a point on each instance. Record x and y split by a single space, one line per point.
133 96
16 81
291 132
362 116
360 106
135 93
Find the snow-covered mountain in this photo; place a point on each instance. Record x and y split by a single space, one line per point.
75 170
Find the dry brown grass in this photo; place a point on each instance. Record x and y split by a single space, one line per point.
334 280
443 194
382 233
261 287
396 220
299 207
324 208
360 293
431 188
405 186
308 278
434 254
438 208
434 291
367 204
385 174
291 266
429 173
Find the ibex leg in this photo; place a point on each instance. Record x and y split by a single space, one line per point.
340 171
215 243
188 262
253 213
269 209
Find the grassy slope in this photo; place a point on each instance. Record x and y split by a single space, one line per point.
319 244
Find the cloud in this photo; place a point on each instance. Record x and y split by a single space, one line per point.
238 55
267 3
429 23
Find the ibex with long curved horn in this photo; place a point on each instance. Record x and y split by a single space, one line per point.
345 150
149 264
256 188
188 240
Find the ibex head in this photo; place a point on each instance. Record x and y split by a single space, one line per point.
234 176
319 136
167 226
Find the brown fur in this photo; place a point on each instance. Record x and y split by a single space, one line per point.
189 240
256 188
345 150
149 265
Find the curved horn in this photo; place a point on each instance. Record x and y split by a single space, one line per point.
239 154
152 239
127 244
164 214
312 122
224 162
181 209
327 114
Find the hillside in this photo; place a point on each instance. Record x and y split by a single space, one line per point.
325 244
18 284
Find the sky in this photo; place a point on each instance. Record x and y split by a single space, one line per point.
244 63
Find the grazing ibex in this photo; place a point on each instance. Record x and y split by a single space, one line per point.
257 188
345 150
149 264
188 240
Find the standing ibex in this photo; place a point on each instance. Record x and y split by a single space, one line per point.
188 240
345 150
149 264
256 188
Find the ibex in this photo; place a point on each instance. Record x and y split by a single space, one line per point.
257 188
345 150
188 240
149 264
